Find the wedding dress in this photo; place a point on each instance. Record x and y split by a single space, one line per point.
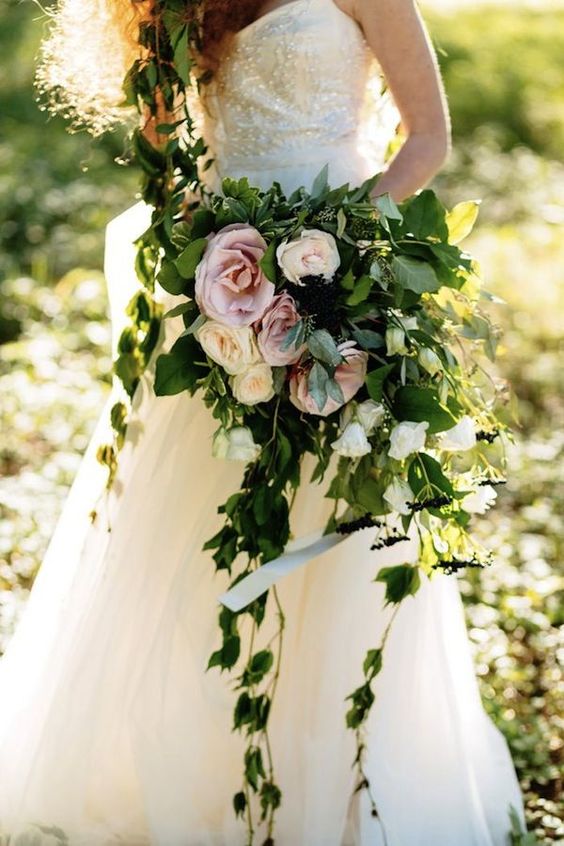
110 728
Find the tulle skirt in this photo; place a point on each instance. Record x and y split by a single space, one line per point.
112 730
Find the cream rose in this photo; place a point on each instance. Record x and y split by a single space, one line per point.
314 253
235 444
232 347
253 385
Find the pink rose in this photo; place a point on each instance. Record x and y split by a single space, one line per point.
230 286
349 375
277 320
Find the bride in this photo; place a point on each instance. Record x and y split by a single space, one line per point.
111 731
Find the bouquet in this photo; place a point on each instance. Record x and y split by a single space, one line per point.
350 329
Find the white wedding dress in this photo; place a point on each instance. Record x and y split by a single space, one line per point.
110 728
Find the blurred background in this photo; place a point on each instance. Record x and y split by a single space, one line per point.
504 75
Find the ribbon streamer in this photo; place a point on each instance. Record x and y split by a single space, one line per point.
298 552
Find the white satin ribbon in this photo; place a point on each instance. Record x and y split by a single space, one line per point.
297 552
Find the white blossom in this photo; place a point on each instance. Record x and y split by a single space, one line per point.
398 494
236 444
395 341
407 437
479 500
430 361
353 443
459 438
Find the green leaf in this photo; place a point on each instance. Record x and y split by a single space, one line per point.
190 257
320 183
228 655
375 381
182 57
268 262
372 663
387 207
368 339
415 275
425 477
401 581
170 279
322 346
347 282
360 291
181 308
239 804
177 370
461 219
317 385
424 216
419 404
295 336
254 768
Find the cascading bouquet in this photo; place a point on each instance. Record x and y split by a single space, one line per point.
329 324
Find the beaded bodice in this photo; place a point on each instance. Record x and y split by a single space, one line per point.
290 90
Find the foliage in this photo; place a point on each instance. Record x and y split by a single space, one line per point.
502 69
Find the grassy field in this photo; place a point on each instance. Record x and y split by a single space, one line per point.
504 78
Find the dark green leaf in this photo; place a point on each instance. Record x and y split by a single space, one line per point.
268 262
360 291
177 370
375 381
414 274
401 581
190 257
419 404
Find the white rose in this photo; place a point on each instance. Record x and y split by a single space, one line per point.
395 341
369 414
253 385
235 444
398 494
479 500
407 437
353 443
232 347
461 437
430 361
314 253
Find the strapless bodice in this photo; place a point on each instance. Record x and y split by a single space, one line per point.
289 96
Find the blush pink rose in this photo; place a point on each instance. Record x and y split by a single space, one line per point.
349 375
230 286
275 324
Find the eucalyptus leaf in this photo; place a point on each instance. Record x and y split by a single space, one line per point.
317 385
323 347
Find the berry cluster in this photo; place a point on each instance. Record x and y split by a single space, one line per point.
367 521
454 565
317 298
435 502
362 229
488 437
393 538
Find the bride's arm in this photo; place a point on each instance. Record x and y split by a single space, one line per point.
397 35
